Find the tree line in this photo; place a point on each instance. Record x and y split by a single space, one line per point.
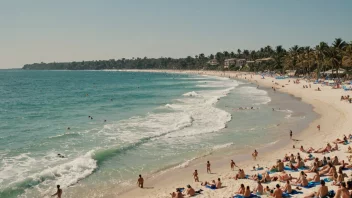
303 59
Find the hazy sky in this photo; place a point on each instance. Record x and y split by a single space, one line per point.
47 31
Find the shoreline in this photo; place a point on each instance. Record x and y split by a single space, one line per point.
327 113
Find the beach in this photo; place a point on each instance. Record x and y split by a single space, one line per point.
333 119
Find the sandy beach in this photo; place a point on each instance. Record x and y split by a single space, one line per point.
334 116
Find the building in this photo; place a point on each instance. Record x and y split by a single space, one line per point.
213 62
264 60
234 61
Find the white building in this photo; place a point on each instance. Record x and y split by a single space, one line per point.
234 61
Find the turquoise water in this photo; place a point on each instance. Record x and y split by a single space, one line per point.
141 123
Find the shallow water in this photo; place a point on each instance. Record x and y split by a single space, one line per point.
154 121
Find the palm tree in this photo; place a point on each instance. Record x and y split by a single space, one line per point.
335 54
232 54
239 53
293 55
308 53
278 56
226 54
320 51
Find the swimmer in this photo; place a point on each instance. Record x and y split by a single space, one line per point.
58 192
61 156
68 128
104 120
91 118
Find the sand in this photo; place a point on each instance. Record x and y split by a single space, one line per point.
333 119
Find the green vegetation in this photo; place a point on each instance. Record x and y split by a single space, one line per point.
304 60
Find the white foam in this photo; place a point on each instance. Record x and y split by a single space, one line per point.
192 94
258 96
221 146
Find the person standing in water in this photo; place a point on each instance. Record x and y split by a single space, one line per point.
290 134
140 181
208 167
58 192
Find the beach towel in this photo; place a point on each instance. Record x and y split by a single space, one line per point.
211 187
310 185
327 180
331 193
251 196
303 168
289 169
181 189
295 192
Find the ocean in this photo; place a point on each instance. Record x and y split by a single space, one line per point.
110 126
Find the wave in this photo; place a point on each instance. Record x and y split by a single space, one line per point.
66 174
192 94
258 96
65 135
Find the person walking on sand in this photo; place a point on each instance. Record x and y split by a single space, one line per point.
233 164
255 154
208 167
290 134
318 127
58 192
195 176
140 181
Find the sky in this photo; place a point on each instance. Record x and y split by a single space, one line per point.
77 30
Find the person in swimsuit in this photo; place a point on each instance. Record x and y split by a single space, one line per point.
140 181
195 176
58 192
255 154
290 134
208 167
233 164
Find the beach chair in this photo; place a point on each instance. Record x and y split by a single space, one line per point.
346 88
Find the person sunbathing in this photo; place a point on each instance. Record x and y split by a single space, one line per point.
342 191
313 168
300 164
292 159
339 141
278 192
335 161
315 178
177 194
322 191
267 190
310 150
283 176
241 190
211 185
349 150
190 191
331 172
256 177
287 188
266 178
259 189
340 177
218 184
240 174
247 192
301 175
324 150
